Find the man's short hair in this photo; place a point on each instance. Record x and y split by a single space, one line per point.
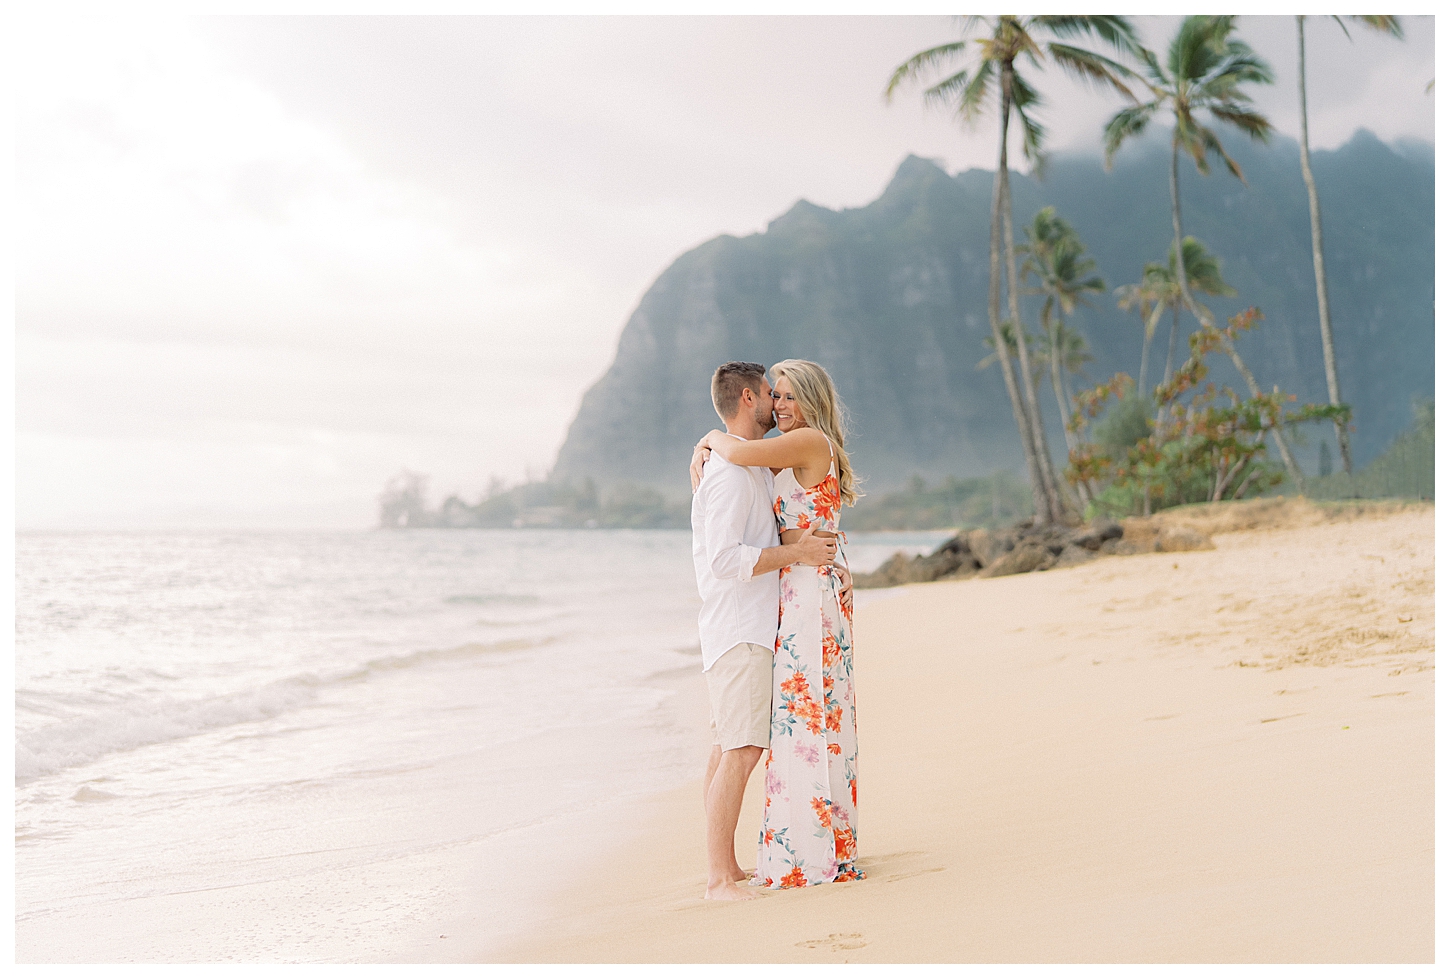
729 380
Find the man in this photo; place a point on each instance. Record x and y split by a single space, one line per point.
737 553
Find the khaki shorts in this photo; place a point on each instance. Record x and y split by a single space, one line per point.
739 683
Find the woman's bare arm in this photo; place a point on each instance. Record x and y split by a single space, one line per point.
801 448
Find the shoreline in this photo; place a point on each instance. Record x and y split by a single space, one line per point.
1179 757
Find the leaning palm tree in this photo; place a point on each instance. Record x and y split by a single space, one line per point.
1202 72
1058 259
965 91
1390 25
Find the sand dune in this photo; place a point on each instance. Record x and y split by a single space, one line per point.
1216 756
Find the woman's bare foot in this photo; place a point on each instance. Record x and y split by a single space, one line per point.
728 891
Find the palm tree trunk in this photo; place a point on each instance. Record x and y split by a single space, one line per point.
1029 388
1201 313
1321 286
1041 505
1168 368
1143 365
1059 389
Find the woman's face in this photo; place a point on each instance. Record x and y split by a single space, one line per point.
786 416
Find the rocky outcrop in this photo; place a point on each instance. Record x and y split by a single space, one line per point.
1024 547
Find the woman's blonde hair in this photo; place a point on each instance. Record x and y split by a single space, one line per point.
815 399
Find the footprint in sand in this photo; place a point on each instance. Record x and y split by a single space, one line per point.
836 942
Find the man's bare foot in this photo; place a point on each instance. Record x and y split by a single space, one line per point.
728 891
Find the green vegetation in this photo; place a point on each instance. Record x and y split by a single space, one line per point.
1011 44
1406 469
987 501
1209 446
1056 256
1202 74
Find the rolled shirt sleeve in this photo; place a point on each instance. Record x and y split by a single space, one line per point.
729 509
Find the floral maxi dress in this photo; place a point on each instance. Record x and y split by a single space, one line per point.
809 831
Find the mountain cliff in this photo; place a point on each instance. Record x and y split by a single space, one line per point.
891 299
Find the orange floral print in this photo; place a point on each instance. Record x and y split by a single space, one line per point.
793 879
806 709
830 650
823 810
808 834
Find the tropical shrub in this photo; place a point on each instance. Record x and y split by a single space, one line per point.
1209 446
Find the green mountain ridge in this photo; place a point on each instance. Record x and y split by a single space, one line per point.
891 299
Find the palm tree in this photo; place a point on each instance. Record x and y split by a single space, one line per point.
965 91
1058 258
1160 290
1390 25
1202 72
1150 295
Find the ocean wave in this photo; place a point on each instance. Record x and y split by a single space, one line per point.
126 726
138 723
423 657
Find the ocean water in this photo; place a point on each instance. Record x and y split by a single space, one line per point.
307 746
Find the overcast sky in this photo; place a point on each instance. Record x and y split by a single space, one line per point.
264 263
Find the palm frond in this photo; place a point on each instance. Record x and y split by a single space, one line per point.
1241 65
1211 143
1246 121
1389 25
947 91
1202 268
1197 46
1093 68
970 101
1034 134
1117 32
1127 122
922 63
1190 136
1153 71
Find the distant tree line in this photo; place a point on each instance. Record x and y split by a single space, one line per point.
404 504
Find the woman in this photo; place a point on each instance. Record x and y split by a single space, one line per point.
809 832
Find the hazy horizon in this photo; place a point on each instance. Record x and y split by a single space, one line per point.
263 263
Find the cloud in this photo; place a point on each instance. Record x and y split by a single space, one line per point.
271 260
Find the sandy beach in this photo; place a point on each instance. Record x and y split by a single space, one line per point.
1215 756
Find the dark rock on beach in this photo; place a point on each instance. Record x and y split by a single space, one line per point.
1025 547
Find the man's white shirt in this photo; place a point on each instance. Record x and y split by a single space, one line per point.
733 519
